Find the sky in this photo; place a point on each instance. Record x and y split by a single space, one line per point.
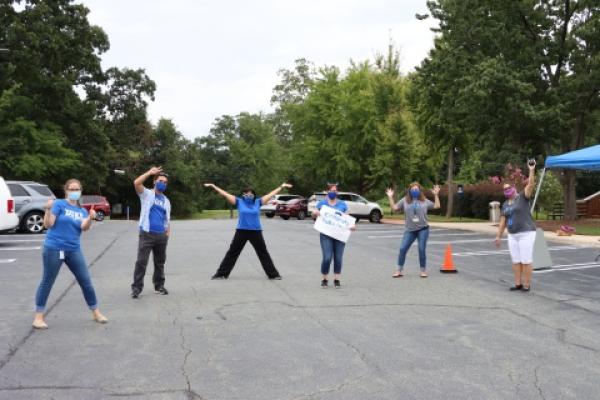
212 58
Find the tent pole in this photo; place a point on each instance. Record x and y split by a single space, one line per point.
537 191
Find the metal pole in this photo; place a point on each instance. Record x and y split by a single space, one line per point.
537 192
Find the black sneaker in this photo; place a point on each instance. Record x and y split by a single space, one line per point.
336 283
215 277
161 290
135 293
516 287
324 283
275 278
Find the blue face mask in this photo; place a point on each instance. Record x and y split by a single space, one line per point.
415 193
161 186
75 195
332 195
248 198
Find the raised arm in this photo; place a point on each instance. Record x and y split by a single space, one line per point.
390 195
228 196
49 218
266 197
138 183
530 181
436 197
87 223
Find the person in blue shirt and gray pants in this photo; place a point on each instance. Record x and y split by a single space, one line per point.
155 217
248 229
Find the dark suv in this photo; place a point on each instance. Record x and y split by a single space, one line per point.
30 199
101 205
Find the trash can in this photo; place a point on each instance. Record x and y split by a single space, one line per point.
495 212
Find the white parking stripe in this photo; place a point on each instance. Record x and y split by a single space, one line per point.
7 260
21 240
492 252
554 269
19 248
22 235
463 241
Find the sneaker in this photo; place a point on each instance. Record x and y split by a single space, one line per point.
161 290
336 283
275 278
525 289
324 283
135 293
215 277
516 287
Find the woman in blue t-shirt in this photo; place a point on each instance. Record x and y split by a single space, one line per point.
65 219
331 248
248 229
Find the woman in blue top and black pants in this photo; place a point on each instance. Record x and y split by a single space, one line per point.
65 219
248 229
330 247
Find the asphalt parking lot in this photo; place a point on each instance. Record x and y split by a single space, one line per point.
450 336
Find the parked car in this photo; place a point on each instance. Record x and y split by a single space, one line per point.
101 205
30 200
269 208
358 206
297 208
8 217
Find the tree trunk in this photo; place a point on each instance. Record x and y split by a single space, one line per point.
569 194
450 182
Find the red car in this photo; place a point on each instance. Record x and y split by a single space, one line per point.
294 208
101 205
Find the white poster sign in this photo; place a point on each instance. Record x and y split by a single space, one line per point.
334 223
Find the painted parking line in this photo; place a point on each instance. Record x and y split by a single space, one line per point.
21 240
492 252
7 260
568 267
490 240
20 248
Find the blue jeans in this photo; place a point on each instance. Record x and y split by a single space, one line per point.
409 237
331 248
79 268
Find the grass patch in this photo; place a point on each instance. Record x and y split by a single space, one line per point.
213 214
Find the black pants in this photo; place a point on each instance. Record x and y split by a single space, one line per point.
157 244
237 245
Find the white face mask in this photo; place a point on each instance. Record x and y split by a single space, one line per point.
74 195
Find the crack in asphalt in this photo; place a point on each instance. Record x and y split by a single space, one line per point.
15 348
337 388
191 395
537 384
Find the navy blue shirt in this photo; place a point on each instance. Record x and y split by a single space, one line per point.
158 215
64 234
249 214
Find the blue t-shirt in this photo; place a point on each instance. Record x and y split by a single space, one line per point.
339 205
158 215
249 214
64 234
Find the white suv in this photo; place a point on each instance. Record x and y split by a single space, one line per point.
358 206
8 216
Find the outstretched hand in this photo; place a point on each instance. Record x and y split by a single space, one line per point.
155 170
92 213
49 203
436 190
389 192
209 185
285 186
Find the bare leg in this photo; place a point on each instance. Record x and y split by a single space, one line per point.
526 274
517 272
38 321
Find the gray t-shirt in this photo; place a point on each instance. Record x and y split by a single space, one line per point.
518 216
416 213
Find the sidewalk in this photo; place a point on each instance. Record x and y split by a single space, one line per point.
486 227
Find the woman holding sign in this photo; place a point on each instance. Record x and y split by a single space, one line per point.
330 247
248 229
516 216
415 206
65 219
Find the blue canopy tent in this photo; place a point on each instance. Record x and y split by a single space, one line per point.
587 159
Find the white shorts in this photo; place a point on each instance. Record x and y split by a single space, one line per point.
521 247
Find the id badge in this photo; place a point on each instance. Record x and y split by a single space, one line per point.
61 255
415 219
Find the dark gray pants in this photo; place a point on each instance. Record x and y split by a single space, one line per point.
157 244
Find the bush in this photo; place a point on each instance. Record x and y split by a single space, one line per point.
474 202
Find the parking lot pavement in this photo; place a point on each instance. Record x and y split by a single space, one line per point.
459 336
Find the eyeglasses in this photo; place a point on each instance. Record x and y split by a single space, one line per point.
73 189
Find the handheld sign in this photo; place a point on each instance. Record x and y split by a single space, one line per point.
334 223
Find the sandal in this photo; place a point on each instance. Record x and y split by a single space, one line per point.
39 325
398 274
424 275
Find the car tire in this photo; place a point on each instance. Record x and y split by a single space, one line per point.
375 216
301 215
269 215
285 217
33 222
99 215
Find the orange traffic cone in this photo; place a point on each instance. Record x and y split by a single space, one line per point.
448 267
